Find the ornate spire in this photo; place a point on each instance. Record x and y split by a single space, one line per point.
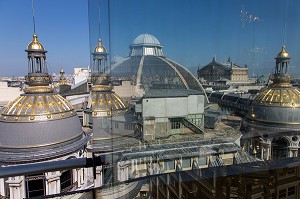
62 78
99 65
38 78
280 76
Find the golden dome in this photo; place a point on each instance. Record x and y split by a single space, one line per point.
35 45
37 107
105 104
100 48
283 53
276 106
278 96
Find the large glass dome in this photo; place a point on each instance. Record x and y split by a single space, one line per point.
147 68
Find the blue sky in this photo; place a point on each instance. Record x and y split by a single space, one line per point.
192 32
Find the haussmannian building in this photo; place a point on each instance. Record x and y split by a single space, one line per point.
223 71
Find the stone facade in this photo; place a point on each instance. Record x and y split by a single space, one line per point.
215 71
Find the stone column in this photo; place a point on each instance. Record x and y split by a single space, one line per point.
268 149
99 177
81 176
127 171
262 147
16 187
52 182
292 151
89 171
2 187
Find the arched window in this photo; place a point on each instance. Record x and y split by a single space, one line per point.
279 148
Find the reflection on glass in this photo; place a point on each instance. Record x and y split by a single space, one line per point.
175 115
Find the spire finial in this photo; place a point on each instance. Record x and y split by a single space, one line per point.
99 19
284 30
33 19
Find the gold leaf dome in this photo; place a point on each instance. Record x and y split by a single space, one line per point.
276 104
36 108
107 103
100 48
40 122
35 45
283 53
279 96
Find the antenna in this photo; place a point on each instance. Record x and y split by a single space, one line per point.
284 31
32 8
99 19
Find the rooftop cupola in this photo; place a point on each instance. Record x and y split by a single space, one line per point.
146 44
280 76
282 61
62 78
99 65
37 70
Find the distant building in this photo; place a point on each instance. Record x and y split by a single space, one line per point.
8 93
226 72
81 74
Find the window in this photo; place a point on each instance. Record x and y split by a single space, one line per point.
186 163
169 165
291 191
35 185
175 125
66 180
129 126
282 193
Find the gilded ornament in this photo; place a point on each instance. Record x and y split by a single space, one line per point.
40 104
